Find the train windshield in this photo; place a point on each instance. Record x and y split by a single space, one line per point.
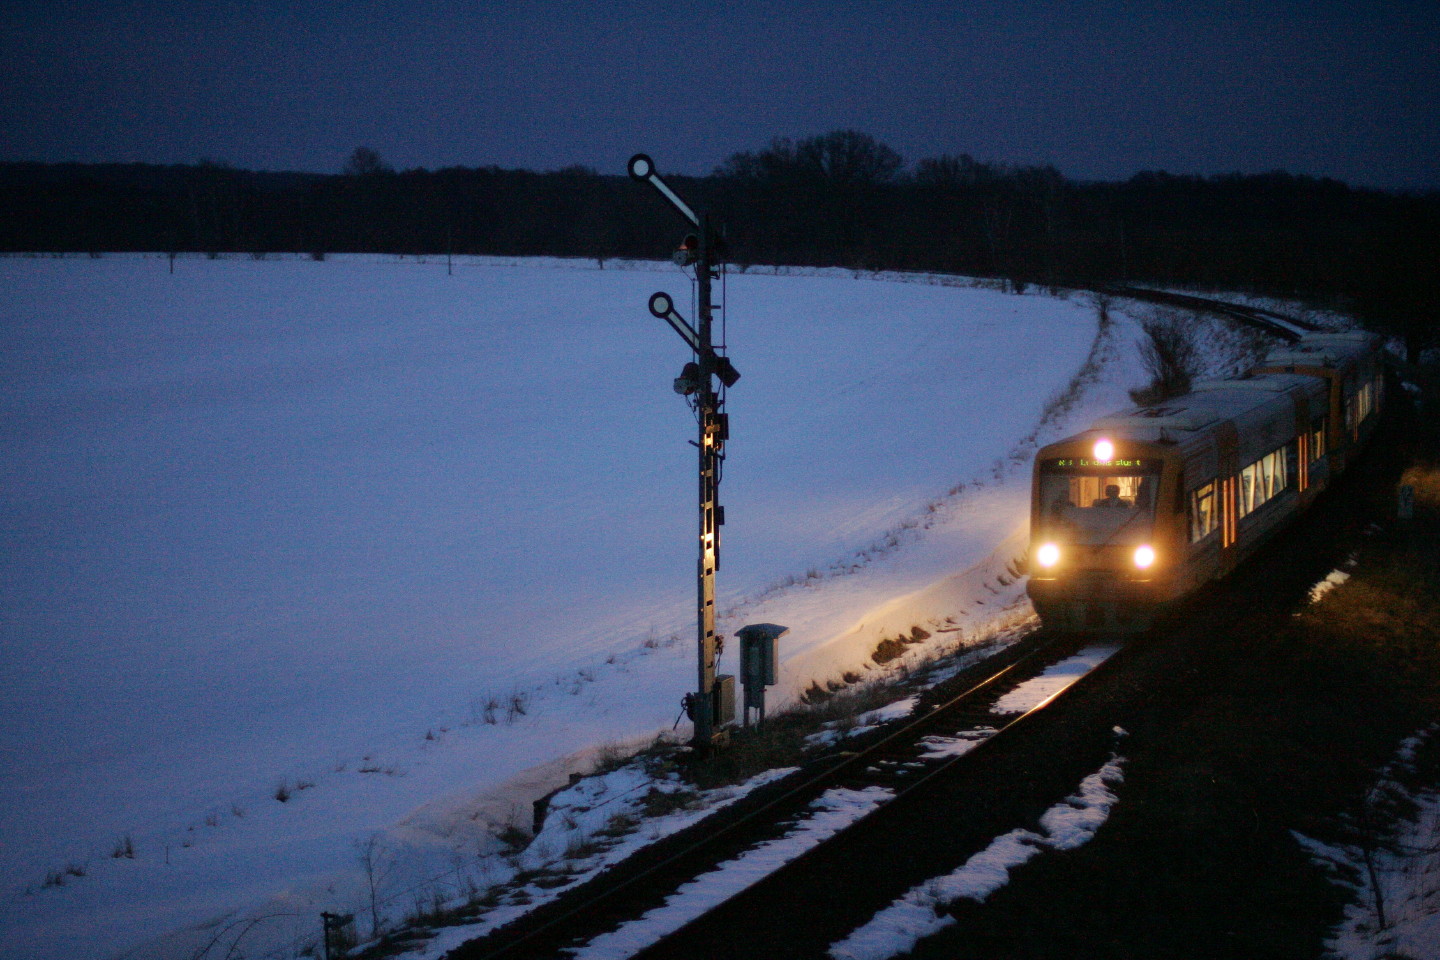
1098 504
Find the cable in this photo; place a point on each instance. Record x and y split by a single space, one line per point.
724 307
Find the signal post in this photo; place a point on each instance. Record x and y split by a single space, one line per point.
712 705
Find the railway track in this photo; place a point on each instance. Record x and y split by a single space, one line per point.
897 768
1277 324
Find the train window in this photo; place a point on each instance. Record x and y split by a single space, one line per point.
1264 478
1204 517
1317 440
1099 508
1365 401
1247 489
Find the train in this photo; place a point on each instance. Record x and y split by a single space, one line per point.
1146 505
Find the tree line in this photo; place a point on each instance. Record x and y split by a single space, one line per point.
839 199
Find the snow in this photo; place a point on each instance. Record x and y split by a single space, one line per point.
835 810
580 815
1054 680
1332 580
921 911
409 549
944 748
1406 870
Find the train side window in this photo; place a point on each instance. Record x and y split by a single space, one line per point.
1317 441
1203 515
1263 479
1277 473
1247 490
1365 401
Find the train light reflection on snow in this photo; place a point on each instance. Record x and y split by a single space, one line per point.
1104 451
1048 555
1144 556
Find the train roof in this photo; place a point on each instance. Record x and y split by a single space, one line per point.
1208 402
1323 350
1264 393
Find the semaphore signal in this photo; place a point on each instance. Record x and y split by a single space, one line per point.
712 705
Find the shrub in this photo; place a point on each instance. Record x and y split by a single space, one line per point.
1171 357
513 837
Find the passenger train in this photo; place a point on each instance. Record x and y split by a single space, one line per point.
1151 502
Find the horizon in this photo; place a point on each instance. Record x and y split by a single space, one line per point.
906 170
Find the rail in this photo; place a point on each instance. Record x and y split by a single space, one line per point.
1278 324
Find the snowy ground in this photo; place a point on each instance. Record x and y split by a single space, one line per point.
405 549
921 912
1395 911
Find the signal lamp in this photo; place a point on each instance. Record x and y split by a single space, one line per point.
689 380
1144 556
1048 555
688 251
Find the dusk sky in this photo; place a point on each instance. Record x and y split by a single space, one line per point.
1099 88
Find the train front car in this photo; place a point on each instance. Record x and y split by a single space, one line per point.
1152 502
1102 546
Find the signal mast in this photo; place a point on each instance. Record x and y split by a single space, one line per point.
712 705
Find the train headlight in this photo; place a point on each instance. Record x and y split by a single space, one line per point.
1048 555
1104 451
1144 556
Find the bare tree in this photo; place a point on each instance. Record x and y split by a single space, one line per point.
376 862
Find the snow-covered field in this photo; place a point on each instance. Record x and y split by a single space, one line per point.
296 554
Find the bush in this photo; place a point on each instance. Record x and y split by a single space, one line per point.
1171 357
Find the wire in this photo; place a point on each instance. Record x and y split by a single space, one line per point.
724 307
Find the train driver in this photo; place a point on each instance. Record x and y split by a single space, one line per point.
1112 497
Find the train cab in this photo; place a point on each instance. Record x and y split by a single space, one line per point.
1100 532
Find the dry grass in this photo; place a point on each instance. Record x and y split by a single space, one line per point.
1425 478
1388 613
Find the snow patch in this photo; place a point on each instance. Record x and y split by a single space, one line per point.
920 912
835 810
1055 680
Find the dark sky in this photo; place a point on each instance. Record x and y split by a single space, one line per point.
1100 89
